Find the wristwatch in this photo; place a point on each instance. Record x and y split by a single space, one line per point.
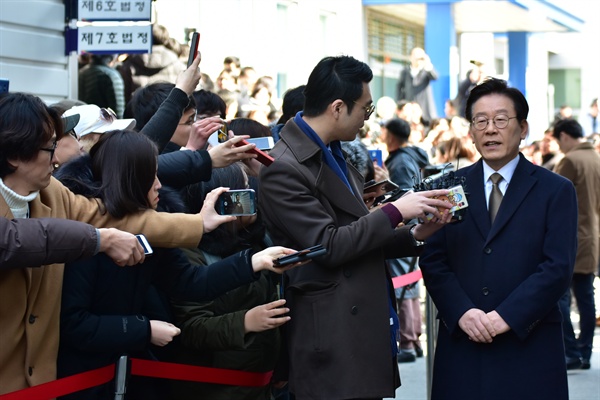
415 241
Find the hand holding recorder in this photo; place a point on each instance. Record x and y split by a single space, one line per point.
301 256
265 259
419 204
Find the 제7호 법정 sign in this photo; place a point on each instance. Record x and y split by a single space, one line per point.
114 39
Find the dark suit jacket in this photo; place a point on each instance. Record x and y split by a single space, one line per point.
339 333
519 267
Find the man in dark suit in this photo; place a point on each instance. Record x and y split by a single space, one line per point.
496 278
342 332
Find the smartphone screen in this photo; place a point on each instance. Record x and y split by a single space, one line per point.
223 133
237 202
262 143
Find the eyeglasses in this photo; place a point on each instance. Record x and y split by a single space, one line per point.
50 150
500 122
190 120
368 109
72 133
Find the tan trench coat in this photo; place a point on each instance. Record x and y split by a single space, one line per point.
30 297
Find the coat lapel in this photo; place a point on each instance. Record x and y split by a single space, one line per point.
337 193
477 201
326 181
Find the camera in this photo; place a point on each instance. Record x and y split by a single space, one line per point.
448 180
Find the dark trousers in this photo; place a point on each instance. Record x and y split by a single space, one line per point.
582 286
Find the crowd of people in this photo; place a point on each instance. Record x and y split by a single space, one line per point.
137 153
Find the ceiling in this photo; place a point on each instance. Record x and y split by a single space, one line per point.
488 15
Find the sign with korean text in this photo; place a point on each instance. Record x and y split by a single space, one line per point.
114 10
114 39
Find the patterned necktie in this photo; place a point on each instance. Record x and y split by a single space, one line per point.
495 196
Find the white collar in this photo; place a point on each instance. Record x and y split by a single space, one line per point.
506 171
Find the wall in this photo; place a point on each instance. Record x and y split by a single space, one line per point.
32 48
266 37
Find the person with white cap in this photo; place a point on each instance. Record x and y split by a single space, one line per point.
94 121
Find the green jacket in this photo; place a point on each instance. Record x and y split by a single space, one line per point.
212 334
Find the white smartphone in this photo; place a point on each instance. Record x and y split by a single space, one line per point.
144 242
262 143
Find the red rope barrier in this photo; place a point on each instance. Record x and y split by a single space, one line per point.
407 279
154 369
158 369
61 387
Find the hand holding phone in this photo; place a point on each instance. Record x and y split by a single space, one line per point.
261 156
237 202
145 245
262 143
302 255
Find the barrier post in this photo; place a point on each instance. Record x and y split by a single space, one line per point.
432 327
121 378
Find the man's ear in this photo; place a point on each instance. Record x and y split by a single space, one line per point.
524 129
13 163
336 107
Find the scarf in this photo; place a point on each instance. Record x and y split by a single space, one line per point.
19 205
332 155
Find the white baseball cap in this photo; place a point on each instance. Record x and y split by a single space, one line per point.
93 119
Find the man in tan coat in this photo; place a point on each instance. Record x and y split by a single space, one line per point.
581 165
30 297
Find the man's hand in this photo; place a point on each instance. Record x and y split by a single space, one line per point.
477 325
500 326
369 198
162 333
227 153
381 173
122 247
266 316
188 80
419 204
201 131
428 228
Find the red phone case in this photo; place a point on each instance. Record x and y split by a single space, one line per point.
262 157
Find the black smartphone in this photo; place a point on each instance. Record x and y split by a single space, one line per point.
237 202
193 48
144 242
302 255
380 188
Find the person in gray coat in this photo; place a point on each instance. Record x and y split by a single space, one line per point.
341 337
40 241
